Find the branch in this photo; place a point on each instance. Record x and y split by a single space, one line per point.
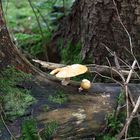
103 69
37 19
129 119
12 136
43 19
128 34
130 40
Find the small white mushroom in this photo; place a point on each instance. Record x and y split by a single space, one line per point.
85 85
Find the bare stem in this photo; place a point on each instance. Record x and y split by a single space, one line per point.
128 121
41 32
12 136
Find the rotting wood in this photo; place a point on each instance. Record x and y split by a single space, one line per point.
92 68
85 113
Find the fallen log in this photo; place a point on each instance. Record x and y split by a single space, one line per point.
85 114
92 68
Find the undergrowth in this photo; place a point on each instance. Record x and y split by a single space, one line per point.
30 131
50 129
115 123
70 54
32 44
22 22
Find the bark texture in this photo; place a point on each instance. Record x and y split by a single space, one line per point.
9 54
95 24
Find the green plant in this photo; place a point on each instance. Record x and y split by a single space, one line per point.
71 54
114 123
113 127
30 43
121 98
21 20
29 130
10 76
59 97
50 129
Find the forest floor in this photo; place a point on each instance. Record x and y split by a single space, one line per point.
52 97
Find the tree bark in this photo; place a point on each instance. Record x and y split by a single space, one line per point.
9 54
95 24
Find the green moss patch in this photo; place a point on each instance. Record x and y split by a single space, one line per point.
14 100
50 129
29 130
59 97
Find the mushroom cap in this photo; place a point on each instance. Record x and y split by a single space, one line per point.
53 72
85 84
71 71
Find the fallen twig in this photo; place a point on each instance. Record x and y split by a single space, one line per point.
12 136
128 121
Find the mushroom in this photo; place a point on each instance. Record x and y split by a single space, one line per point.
67 72
55 71
85 85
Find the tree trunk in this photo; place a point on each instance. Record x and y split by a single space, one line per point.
95 24
9 54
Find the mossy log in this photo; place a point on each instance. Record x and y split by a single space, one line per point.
85 113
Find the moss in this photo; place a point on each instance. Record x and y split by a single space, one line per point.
15 100
121 98
29 130
10 76
1 127
45 108
50 129
59 97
